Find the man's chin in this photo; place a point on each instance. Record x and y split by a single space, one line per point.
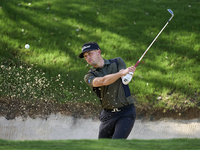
92 64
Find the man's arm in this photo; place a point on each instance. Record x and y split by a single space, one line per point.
111 78
106 80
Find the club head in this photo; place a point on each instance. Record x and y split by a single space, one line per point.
170 11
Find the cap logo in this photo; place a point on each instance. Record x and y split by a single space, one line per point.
84 47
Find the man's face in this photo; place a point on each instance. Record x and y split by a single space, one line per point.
92 57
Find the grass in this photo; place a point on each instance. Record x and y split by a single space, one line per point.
168 75
172 144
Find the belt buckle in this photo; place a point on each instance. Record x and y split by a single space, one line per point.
115 110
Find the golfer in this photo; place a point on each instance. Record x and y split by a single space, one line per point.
105 78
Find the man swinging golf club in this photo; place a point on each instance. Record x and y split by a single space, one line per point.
109 80
105 78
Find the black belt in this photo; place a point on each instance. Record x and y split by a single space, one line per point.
119 109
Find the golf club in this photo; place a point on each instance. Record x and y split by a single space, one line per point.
126 79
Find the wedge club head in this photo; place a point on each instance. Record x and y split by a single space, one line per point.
171 12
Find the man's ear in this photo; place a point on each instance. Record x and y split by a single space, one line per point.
99 51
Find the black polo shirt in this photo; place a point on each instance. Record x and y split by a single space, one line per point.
116 94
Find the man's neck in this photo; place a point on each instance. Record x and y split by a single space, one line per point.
100 63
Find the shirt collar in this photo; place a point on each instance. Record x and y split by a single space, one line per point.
106 62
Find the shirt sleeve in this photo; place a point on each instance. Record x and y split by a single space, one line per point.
121 64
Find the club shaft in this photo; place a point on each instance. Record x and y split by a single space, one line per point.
153 42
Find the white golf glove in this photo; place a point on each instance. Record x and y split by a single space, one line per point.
127 78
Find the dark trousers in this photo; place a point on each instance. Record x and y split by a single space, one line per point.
117 125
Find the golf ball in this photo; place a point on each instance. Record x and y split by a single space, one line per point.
27 46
